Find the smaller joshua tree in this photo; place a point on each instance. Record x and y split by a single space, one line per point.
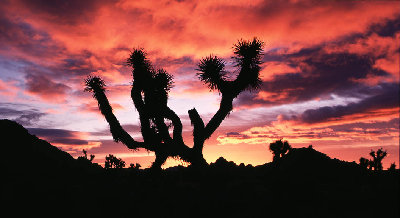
149 94
279 149
377 158
376 162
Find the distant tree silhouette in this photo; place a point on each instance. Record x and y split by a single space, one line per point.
135 166
364 163
377 156
279 149
113 162
376 162
392 167
149 94
85 157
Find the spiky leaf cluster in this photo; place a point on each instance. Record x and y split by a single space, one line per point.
142 70
212 72
154 84
163 80
248 52
94 83
248 58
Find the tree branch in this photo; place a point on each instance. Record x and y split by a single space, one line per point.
224 108
198 128
118 133
176 121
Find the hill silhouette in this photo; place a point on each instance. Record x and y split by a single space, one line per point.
26 151
41 178
31 151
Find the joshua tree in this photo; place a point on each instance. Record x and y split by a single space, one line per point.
113 162
376 162
149 94
377 156
279 148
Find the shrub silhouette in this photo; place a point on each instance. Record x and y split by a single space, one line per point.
279 149
135 166
149 94
365 163
113 162
392 167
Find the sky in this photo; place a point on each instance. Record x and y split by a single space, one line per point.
330 72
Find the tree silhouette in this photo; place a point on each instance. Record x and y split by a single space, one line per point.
279 149
135 166
392 167
365 163
85 157
113 162
377 156
149 94
376 162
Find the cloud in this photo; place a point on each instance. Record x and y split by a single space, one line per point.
20 39
334 67
46 89
130 128
25 117
64 12
8 89
319 76
352 134
65 139
388 98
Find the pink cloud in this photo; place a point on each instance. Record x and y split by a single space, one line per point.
46 89
8 89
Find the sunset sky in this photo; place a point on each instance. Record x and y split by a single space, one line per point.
330 72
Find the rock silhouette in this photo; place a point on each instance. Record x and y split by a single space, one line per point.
149 94
41 179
